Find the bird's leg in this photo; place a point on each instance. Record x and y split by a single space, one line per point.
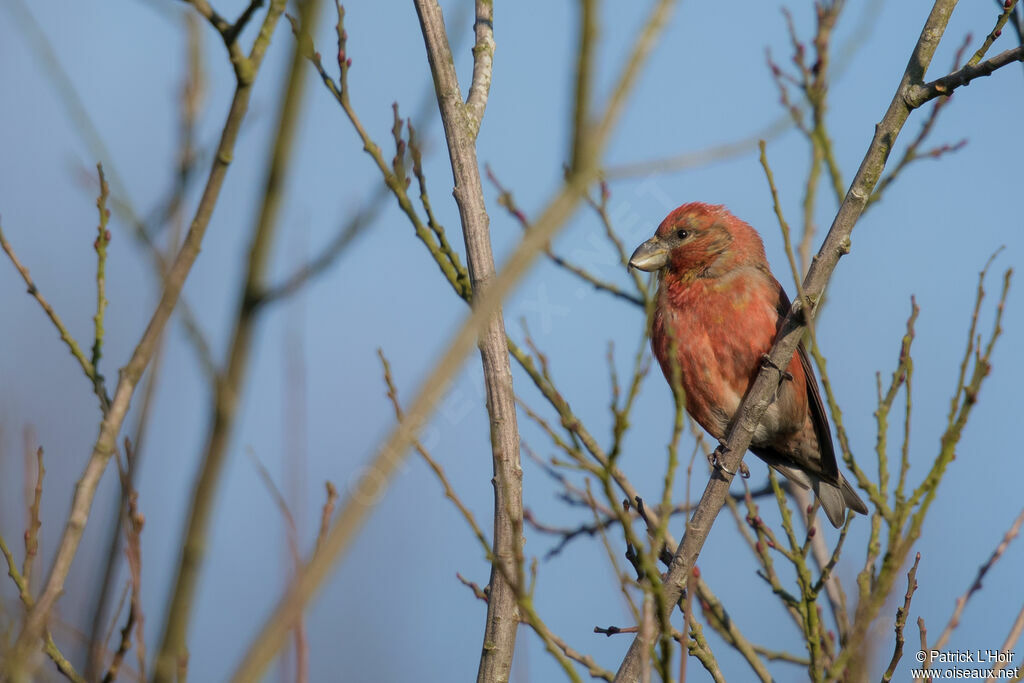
767 362
715 461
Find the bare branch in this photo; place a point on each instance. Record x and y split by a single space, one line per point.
461 124
483 56
375 476
63 665
227 391
131 373
901 621
919 94
836 244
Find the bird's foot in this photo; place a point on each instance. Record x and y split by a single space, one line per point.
767 362
714 459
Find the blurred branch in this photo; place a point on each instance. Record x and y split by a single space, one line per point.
230 388
295 558
101 243
507 201
601 207
701 157
961 602
34 523
393 449
189 108
771 131
1007 649
449 491
134 522
361 219
49 647
908 96
65 90
64 86
524 599
19 665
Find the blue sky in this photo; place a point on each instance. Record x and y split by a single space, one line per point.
707 83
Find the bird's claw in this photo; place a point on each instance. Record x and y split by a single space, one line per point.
715 462
767 362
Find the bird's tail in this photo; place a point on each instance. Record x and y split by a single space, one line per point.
835 499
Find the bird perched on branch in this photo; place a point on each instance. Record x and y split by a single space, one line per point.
717 313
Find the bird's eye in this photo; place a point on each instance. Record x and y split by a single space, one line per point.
682 234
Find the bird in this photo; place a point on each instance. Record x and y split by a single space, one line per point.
718 307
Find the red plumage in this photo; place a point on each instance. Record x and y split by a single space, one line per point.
719 306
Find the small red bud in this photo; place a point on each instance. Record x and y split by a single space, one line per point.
344 35
316 56
108 213
106 235
771 544
998 32
696 572
341 55
810 508
758 547
348 63
96 244
811 532
1007 4
757 521
831 635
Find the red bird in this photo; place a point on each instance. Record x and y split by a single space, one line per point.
719 306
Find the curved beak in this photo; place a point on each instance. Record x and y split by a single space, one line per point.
650 256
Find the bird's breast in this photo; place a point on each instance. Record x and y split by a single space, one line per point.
716 332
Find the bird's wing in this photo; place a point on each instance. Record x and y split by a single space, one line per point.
822 431
829 466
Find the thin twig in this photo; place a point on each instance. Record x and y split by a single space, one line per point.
901 621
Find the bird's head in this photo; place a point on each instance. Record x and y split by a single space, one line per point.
699 240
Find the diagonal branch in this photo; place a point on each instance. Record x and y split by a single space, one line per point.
909 95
